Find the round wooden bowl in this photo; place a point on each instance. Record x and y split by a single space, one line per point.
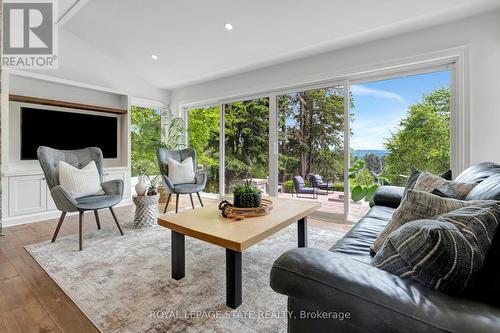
240 213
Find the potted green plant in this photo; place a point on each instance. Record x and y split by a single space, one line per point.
247 196
153 185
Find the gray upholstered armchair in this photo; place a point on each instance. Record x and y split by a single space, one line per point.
197 186
49 160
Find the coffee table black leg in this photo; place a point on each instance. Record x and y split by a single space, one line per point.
233 278
178 262
302 232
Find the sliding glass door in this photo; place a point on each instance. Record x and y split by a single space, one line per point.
246 131
204 137
329 144
311 147
398 124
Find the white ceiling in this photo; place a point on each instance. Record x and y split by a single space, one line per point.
192 45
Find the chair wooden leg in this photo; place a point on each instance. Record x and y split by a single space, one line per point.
80 230
168 201
116 220
176 203
61 219
97 221
191 197
199 198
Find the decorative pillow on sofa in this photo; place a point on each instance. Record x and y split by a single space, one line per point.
414 174
416 206
80 182
457 190
446 253
181 173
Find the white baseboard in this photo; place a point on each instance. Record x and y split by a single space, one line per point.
38 217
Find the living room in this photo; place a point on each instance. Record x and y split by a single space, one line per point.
343 156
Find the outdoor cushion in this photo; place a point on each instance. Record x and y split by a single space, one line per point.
298 182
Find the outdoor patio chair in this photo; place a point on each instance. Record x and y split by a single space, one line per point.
317 182
299 187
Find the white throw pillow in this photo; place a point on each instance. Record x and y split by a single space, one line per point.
181 173
80 182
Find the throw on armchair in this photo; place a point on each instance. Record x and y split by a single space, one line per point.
199 182
49 160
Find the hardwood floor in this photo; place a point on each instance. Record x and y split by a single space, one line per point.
29 300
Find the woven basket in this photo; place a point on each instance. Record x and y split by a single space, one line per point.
241 213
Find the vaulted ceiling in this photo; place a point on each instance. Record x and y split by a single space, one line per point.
192 44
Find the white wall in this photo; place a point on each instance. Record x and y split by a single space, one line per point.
481 35
80 62
26 86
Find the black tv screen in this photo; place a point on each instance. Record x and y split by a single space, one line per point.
66 130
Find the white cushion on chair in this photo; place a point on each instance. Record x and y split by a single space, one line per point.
181 173
80 182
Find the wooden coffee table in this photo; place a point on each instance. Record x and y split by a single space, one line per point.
235 236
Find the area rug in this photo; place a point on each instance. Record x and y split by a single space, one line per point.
123 283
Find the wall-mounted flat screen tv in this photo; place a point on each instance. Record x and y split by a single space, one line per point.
66 130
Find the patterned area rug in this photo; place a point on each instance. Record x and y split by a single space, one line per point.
123 283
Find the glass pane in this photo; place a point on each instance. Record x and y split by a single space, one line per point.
146 130
398 124
204 133
247 142
311 147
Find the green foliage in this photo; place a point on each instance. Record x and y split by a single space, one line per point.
246 188
311 128
288 186
148 135
145 128
362 182
422 139
246 135
203 134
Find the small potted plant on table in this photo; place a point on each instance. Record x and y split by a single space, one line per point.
247 196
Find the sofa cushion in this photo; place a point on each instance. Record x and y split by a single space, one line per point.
444 254
415 174
416 206
356 243
479 172
377 300
488 189
457 190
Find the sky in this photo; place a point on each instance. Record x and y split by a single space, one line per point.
379 105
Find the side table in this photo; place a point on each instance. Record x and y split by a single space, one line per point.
146 211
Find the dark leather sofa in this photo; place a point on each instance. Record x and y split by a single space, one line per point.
339 291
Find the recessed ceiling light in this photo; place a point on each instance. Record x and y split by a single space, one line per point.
228 26
154 56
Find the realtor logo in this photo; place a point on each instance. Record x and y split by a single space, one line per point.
29 34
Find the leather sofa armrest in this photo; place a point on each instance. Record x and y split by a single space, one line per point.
389 196
113 187
331 280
